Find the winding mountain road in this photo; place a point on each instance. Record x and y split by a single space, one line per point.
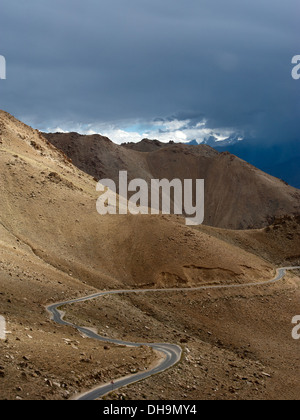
171 353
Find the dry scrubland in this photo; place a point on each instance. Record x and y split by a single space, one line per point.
54 246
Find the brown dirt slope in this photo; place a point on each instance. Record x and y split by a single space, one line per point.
49 205
278 243
54 246
237 195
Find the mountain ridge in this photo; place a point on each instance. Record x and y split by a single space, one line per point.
238 195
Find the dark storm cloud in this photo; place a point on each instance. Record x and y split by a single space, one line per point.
107 60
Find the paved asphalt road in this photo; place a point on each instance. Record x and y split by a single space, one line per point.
171 353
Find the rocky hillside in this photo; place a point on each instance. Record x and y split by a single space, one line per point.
237 195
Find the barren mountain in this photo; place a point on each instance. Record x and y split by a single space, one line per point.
237 195
50 205
55 246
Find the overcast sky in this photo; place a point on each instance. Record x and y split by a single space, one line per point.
170 69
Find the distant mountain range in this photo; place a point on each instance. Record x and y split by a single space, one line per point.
216 142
